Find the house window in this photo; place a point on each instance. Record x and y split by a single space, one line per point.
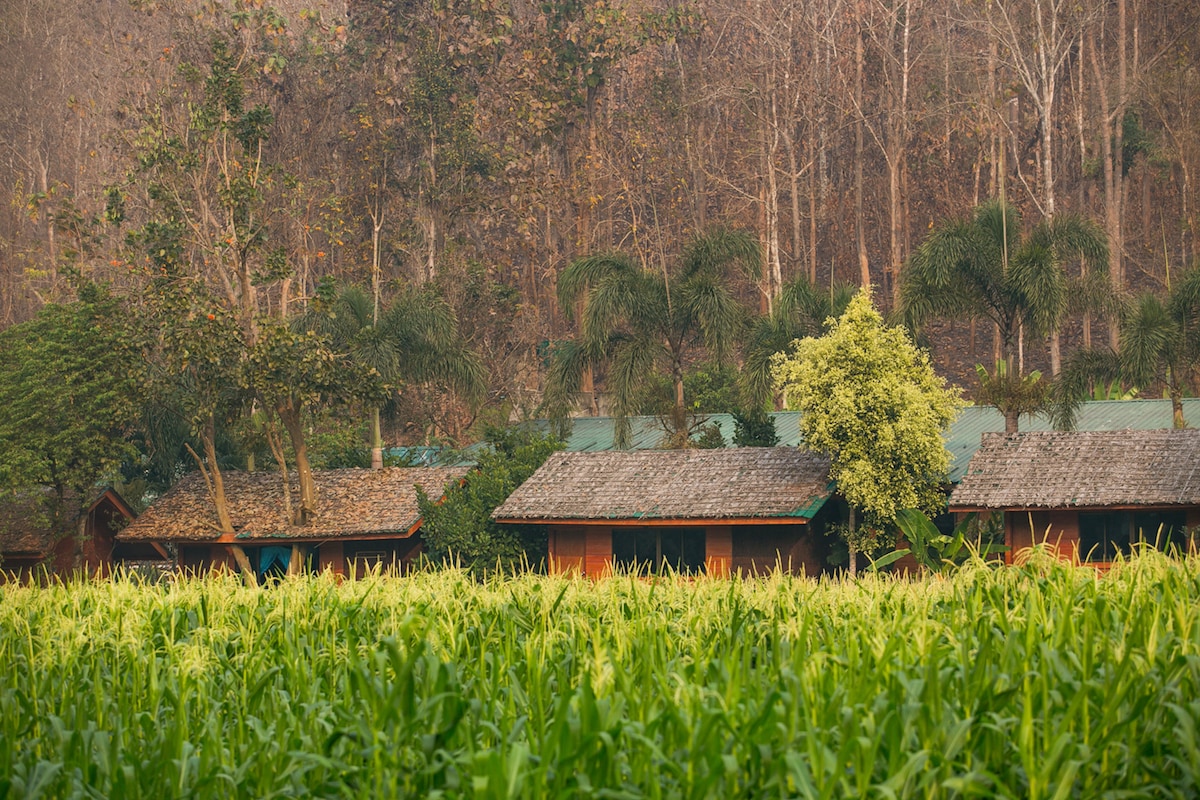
1102 535
655 549
366 560
1163 530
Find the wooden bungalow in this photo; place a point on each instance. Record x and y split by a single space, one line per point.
1089 495
715 511
365 518
31 540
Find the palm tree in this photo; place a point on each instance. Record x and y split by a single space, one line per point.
984 267
1159 343
415 339
801 310
638 320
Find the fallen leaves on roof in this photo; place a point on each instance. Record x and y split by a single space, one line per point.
350 502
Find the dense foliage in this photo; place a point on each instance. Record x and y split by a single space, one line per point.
69 396
459 527
1036 682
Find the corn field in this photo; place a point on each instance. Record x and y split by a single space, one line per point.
1040 681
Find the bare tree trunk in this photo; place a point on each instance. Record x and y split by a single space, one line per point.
864 263
1110 152
296 562
376 440
210 471
239 558
1080 99
276 444
812 215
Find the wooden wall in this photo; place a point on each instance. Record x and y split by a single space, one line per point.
718 550
759 549
756 549
1059 530
331 556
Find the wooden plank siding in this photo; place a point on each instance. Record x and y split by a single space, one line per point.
1057 529
331 557
760 549
597 552
718 550
587 550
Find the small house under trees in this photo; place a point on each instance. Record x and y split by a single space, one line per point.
34 537
694 511
1089 495
366 518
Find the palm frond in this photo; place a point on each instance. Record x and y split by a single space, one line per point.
582 274
1149 332
1082 370
1072 237
632 360
716 312
1001 223
1035 276
564 379
768 335
717 250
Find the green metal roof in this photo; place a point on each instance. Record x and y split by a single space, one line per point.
963 439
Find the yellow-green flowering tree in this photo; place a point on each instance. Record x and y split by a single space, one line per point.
869 399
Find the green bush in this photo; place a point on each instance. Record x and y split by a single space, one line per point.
460 528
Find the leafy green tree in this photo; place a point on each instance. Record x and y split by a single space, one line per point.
754 429
985 267
194 351
460 526
69 398
292 372
639 321
870 400
414 340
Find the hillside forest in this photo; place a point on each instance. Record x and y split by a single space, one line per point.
269 188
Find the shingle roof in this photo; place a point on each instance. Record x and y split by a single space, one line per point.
750 482
351 502
1088 469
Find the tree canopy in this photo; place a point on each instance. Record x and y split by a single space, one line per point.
69 383
636 320
870 399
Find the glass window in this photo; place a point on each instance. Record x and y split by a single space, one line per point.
655 549
1164 530
1102 535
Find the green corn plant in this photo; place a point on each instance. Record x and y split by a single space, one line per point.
1033 681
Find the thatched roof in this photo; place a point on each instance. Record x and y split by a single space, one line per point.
1083 469
27 518
741 483
351 503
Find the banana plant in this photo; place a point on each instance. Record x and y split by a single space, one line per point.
935 551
